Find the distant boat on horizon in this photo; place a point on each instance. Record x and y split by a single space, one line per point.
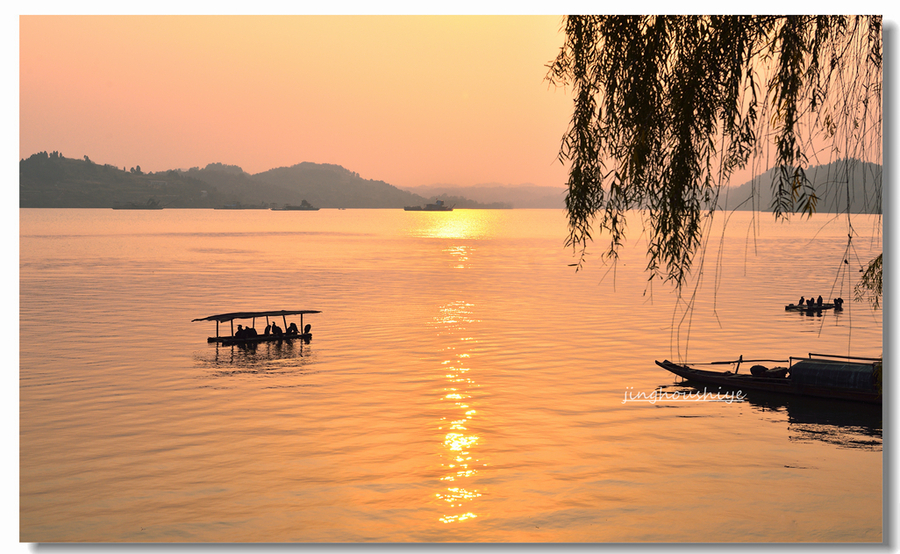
438 206
304 206
239 206
150 205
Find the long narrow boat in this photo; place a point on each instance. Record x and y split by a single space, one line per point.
819 375
255 337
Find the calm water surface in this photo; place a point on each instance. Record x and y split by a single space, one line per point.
462 384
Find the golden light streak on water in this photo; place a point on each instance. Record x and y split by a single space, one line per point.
458 443
458 224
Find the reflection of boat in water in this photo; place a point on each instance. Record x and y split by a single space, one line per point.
832 377
438 206
845 424
151 204
266 358
303 207
252 337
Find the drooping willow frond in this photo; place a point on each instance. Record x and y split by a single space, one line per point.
667 108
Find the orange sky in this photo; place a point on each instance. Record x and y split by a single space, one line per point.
410 100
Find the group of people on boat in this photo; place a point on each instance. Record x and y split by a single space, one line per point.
817 303
271 329
245 332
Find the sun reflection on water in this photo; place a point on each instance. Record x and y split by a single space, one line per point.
461 254
459 455
458 224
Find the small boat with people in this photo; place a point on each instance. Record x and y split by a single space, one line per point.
272 332
818 375
438 206
815 305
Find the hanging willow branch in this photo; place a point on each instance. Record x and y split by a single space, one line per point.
667 108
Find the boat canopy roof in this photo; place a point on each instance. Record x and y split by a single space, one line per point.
833 373
251 315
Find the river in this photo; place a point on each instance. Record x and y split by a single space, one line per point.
463 382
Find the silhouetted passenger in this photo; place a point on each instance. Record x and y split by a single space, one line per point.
838 303
240 332
809 303
292 329
276 330
306 329
819 301
251 332
268 328
802 301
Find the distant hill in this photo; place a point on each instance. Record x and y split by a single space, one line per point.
506 196
838 185
332 186
832 183
50 180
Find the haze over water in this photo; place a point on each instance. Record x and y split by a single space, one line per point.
462 383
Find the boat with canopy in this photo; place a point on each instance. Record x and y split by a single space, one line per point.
250 335
821 375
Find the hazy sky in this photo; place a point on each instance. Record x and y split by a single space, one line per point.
411 100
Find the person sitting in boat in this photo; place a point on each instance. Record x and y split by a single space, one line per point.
802 301
819 301
306 329
268 329
276 330
292 329
250 332
809 303
240 332
838 303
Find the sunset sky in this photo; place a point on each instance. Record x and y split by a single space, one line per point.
410 100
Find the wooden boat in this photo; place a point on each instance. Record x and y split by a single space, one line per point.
819 375
302 333
438 206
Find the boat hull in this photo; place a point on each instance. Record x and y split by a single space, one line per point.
807 308
784 385
227 341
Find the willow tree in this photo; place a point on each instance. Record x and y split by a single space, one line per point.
668 108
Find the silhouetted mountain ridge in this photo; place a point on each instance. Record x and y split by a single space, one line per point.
838 185
50 180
